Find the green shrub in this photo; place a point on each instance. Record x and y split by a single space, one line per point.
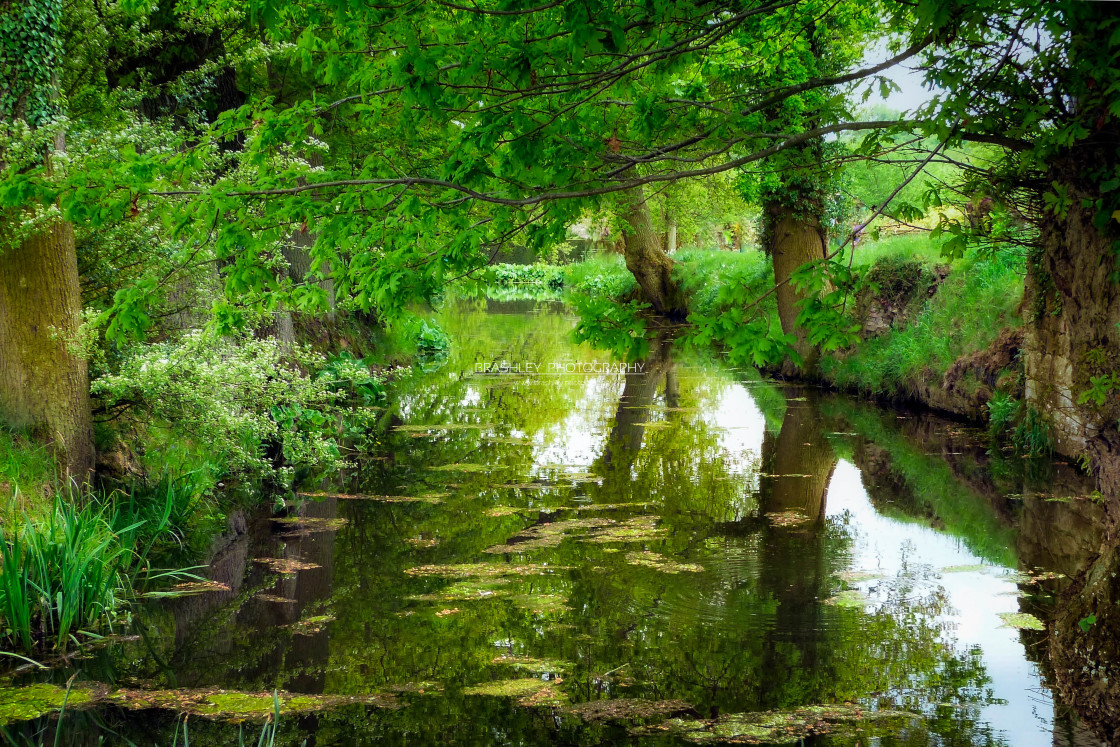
546 276
603 276
231 396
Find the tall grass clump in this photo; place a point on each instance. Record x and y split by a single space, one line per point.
911 246
72 569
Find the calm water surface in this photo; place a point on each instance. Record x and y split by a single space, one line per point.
686 533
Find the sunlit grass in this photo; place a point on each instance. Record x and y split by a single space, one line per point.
978 299
26 468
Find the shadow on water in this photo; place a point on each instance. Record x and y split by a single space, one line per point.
553 550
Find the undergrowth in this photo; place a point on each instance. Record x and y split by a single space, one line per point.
975 302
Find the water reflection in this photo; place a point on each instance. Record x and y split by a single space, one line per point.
684 533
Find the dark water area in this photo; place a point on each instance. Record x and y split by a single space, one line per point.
546 555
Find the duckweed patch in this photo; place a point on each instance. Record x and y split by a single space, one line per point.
305 524
274 599
432 498
1021 621
547 535
484 570
533 665
787 518
285 566
436 427
542 604
975 568
464 590
657 562
500 511
849 598
630 709
780 727
236 705
33 701
638 529
854 577
311 625
508 688
197 587
468 467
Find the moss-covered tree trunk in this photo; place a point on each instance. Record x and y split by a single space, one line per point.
1071 341
794 237
44 385
646 259
1072 337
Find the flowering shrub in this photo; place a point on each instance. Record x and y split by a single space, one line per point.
234 396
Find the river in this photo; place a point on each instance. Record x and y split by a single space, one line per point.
551 548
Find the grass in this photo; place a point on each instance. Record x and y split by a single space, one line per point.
69 570
601 274
25 469
908 245
966 314
59 575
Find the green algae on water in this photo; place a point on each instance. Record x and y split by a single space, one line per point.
466 590
468 467
547 535
1021 621
632 710
311 625
849 598
533 665
33 701
542 604
484 570
237 705
637 529
529 691
780 727
657 562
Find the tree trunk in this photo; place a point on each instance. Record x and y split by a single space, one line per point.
672 240
651 266
44 386
793 240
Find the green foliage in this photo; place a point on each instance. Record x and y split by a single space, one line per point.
827 287
432 343
546 276
611 325
601 276
30 58
351 380
1003 412
726 292
1028 430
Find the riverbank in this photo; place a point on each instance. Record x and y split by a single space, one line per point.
941 335
193 433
